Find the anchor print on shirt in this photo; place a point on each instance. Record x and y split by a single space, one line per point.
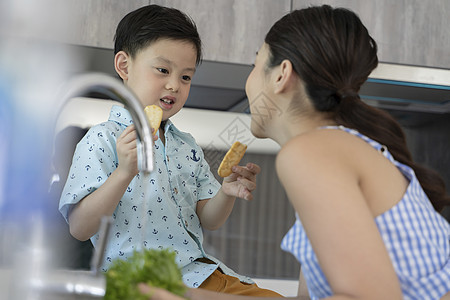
194 157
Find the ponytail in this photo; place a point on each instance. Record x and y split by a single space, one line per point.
380 126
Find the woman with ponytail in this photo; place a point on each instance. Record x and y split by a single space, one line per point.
368 223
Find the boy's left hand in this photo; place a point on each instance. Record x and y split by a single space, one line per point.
242 182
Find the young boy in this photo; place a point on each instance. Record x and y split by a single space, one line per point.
157 50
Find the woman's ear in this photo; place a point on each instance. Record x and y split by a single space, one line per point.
283 77
121 63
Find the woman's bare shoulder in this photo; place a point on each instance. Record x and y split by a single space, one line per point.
319 150
317 142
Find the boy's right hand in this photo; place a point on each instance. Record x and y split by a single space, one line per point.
127 152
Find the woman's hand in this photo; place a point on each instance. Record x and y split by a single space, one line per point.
242 182
156 293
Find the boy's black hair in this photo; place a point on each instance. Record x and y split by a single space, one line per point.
143 26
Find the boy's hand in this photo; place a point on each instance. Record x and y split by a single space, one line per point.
127 152
242 182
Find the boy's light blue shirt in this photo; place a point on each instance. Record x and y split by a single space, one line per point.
157 210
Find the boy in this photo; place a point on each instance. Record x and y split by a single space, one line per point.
156 52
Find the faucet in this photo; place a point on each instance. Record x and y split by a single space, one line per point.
46 283
114 89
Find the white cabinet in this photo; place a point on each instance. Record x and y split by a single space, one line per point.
414 32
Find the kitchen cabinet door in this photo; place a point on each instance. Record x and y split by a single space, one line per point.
231 30
413 32
95 21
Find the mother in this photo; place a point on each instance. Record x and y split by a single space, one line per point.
367 223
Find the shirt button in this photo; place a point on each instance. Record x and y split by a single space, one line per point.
186 223
168 159
175 190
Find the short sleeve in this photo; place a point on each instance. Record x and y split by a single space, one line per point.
94 160
207 185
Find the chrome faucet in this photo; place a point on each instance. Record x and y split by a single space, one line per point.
114 89
43 283
35 280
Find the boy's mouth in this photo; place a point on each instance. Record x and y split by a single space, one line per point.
167 102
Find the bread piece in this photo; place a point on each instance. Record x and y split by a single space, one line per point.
231 159
154 115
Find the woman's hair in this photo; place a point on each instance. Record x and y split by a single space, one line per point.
143 26
333 53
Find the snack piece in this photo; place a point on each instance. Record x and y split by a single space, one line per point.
151 266
154 115
231 159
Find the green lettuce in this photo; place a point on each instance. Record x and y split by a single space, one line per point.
152 266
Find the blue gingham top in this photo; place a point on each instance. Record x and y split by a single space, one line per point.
416 237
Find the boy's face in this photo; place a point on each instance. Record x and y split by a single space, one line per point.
160 74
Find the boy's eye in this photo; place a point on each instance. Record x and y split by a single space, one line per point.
162 70
187 78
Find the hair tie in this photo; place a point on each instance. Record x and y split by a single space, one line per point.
346 93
